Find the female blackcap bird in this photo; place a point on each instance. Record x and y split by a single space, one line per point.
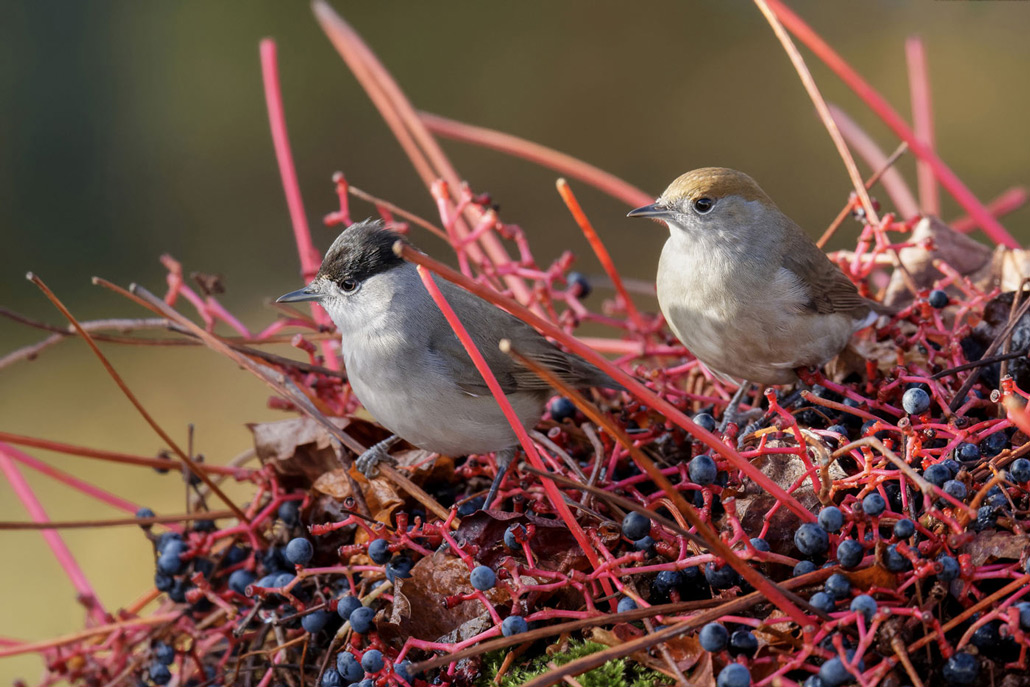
406 365
743 287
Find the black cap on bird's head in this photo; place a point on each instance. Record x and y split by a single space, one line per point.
362 250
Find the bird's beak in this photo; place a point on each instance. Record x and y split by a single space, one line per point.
308 293
654 210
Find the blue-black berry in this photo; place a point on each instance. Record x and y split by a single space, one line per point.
743 642
467 508
831 519
873 504
399 567
159 674
803 567
164 653
714 637
239 580
349 667
850 553
721 578
961 669
372 661
513 534
994 444
949 568
866 605
702 470
482 578
1020 470
955 489
514 625
834 672
904 528
894 561
915 401
314 622
561 409
361 620
733 675
636 526
666 581
938 299
1024 615
823 601
289 512
760 544
379 551
579 285
626 604
705 421
811 539
837 585
967 452
937 474
331 678
347 605
299 551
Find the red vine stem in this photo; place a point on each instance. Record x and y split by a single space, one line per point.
922 122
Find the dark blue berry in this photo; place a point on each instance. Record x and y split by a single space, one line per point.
873 504
915 401
349 667
894 561
938 299
347 605
850 553
164 653
626 604
866 605
760 544
994 444
403 670
163 582
743 643
955 489
482 578
314 622
361 620
514 625
721 578
467 508
299 551
1020 470
666 581
837 585
702 470
937 474
987 636
379 551
239 580
961 669
811 539
168 539
733 675
145 512
823 601
159 674
831 519
803 567
904 528
1024 615
510 538
169 561
954 467
289 512
645 544
331 678
950 568
579 285
561 409
705 421
812 681
399 567
967 452
714 637
636 526
372 661
834 672
284 578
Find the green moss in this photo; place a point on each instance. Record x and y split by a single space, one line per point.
620 672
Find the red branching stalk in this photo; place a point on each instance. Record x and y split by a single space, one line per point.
892 119
922 122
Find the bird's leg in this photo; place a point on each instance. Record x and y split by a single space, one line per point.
504 459
731 414
785 402
368 462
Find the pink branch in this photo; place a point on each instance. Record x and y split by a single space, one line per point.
892 119
1007 202
541 155
922 122
53 539
310 260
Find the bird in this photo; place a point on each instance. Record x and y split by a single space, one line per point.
409 370
743 287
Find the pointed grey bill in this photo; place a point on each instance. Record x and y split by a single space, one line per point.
308 293
652 210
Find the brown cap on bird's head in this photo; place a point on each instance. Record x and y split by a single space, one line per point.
714 183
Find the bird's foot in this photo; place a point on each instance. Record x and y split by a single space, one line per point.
504 459
368 462
732 413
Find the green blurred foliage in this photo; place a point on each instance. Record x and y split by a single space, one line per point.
132 129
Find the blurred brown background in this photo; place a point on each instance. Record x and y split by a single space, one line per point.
130 130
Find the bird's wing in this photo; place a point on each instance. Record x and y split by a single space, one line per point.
829 289
488 325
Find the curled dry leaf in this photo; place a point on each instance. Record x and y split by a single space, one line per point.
996 545
684 650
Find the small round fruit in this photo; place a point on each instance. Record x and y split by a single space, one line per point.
372 661
514 625
361 620
873 504
349 667
636 526
866 605
299 551
938 299
823 601
702 470
482 578
314 622
714 637
838 586
915 401
811 539
561 409
626 604
733 675
961 669
379 551
850 553
904 528
743 642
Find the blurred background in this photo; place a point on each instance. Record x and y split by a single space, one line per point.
131 130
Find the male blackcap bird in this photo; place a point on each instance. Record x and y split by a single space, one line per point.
743 287
406 365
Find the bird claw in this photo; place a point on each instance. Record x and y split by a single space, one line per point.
368 462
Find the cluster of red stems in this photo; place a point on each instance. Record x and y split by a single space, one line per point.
220 635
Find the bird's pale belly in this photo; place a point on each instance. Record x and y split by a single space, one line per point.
444 420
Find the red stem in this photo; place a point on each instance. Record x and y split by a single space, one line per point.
893 120
922 122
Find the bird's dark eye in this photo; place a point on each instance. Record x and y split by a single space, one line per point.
349 285
703 205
